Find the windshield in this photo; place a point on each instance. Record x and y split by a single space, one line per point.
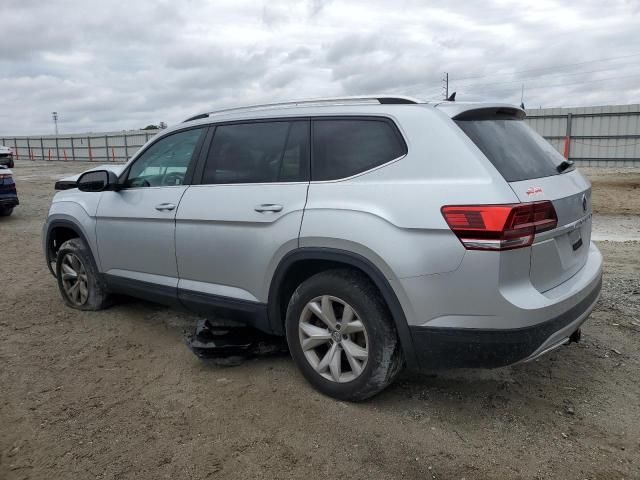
516 151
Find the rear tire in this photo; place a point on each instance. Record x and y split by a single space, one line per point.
78 279
341 335
6 211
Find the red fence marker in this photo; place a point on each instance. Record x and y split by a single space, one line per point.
30 155
65 154
49 154
90 156
17 156
113 155
566 147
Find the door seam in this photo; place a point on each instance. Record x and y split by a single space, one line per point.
175 236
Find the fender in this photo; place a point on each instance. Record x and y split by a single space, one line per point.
66 224
354 260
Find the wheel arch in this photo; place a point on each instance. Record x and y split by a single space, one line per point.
311 260
59 231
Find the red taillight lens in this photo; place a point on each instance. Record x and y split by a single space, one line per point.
499 227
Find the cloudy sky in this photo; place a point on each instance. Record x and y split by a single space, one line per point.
114 65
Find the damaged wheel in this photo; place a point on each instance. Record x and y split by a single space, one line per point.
78 279
341 335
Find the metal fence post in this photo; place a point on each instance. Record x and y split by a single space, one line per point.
42 148
126 148
28 148
73 151
57 150
567 146
15 147
89 147
106 147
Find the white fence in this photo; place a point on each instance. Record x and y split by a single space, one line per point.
104 147
592 136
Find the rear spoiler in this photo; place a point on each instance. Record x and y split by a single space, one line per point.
485 113
484 110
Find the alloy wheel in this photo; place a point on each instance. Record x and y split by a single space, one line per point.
74 279
333 338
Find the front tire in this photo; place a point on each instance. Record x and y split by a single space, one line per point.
6 211
78 279
341 335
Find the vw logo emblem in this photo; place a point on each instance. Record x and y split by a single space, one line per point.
584 202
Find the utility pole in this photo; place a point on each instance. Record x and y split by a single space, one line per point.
55 120
445 84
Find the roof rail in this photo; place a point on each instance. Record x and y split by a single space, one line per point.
373 99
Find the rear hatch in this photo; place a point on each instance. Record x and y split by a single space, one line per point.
535 171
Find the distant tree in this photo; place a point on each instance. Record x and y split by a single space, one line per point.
150 127
162 125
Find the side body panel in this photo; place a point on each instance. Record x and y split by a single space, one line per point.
134 238
225 247
72 208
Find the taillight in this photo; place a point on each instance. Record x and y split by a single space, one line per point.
500 227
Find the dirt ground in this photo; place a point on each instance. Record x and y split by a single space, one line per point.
117 395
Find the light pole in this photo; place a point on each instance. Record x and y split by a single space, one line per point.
55 120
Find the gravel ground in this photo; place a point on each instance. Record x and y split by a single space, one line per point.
116 394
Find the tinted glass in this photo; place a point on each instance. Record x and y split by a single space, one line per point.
262 152
516 151
93 181
165 162
342 148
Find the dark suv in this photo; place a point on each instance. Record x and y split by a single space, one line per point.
8 193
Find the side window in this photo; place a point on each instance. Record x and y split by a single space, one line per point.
261 152
165 162
345 147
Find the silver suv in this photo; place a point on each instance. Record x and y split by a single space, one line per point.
373 232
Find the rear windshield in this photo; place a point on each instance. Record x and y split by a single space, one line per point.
516 151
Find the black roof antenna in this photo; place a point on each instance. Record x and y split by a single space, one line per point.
452 97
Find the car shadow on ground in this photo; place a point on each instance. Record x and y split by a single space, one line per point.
568 367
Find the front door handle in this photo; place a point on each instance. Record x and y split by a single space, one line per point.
268 207
165 207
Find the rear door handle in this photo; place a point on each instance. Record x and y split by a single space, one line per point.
165 207
268 207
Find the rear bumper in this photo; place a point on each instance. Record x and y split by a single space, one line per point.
481 323
438 347
9 202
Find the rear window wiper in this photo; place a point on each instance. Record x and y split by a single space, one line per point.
564 165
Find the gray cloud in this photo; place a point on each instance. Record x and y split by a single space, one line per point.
111 64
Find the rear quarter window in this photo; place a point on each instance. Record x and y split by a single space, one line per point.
516 150
346 147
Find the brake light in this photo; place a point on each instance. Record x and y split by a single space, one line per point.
500 227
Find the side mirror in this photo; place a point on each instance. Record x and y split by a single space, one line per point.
97 181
